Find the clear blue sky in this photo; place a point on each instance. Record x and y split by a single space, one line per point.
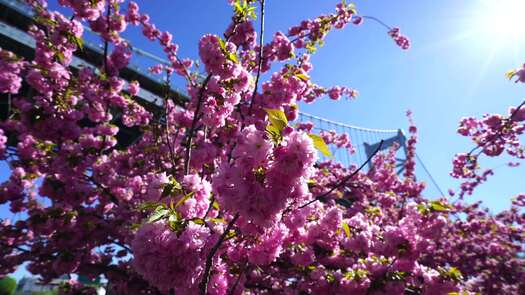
455 68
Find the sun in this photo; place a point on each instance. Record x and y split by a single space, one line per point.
503 19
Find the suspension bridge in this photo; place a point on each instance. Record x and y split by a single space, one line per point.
15 19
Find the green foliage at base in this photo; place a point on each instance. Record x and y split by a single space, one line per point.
7 286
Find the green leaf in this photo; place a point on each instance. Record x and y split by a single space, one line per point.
397 275
303 77
330 278
352 8
60 56
452 273
233 57
311 183
149 205
422 209
320 144
215 205
346 228
158 214
198 221
439 206
237 6
311 267
273 130
510 74
455 274
172 187
278 122
274 133
175 222
79 42
217 220
168 189
277 118
231 234
135 226
222 44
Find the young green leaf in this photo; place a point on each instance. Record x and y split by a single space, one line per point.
303 77
510 74
233 57
222 44
320 144
198 221
277 118
158 214
439 206
278 122
149 205
346 228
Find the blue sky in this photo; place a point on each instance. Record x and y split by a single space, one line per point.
455 68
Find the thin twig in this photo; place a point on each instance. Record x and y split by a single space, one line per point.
187 157
378 21
241 272
123 246
259 66
209 207
167 129
16 248
354 17
111 196
203 286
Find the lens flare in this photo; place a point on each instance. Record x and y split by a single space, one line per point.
504 19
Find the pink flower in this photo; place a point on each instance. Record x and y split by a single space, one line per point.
167 259
134 88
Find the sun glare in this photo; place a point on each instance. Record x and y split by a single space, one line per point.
503 19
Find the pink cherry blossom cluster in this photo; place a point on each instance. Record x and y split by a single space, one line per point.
170 260
10 71
493 134
401 40
339 140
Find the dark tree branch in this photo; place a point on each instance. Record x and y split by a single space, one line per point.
203 286
167 129
344 180
16 248
123 246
